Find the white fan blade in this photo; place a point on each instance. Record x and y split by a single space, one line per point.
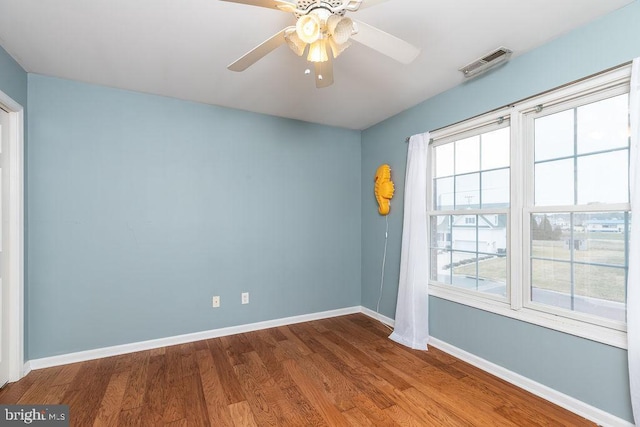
385 43
369 3
270 4
258 52
324 73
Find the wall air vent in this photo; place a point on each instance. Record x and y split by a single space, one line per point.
487 62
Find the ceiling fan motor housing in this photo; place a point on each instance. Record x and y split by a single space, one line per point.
329 5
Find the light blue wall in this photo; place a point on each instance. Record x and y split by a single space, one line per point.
591 372
13 79
141 208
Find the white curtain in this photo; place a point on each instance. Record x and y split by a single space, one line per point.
633 279
412 309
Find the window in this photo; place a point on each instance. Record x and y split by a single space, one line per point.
529 209
471 198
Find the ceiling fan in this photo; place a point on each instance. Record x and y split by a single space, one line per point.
324 32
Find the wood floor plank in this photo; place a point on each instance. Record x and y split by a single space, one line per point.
264 408
355 417
315 396
241 415
348 366
518 403
87 397
67 374
304 408
451 395
324 373
112 401
55 394
292 338
265 348
130 417
216 402
230 384
37 392
288 415
373 412
153 403
403 418
338 387
234 346
194 402
172 393
137 381
11 393
368 362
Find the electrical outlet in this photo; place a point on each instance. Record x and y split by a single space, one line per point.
245 297
216 302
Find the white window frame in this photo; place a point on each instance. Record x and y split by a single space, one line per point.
517 305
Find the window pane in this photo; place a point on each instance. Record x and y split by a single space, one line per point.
495 149
495 189
604 125
600 291
443 160
464 233
554 183
602 238
492 233
594 248
603 178
492 274
468 191
551 283
441 232
463 270
550 236
443 193
468 155
554 136
440 266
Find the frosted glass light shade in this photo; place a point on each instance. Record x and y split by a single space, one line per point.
336 48
340 28
309 28
294 42
318 51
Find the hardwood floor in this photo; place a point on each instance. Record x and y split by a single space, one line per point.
332 372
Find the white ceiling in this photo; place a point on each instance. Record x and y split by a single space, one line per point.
180 48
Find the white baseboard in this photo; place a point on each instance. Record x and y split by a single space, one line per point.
374 315
567 402
117 350
26 368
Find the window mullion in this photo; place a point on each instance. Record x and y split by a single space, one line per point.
517 252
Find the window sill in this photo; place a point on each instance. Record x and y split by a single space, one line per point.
578 328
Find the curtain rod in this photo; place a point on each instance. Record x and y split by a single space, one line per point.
512 104
408 138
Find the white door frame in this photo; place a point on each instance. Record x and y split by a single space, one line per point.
15 275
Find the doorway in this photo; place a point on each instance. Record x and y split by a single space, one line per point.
11 240
4 289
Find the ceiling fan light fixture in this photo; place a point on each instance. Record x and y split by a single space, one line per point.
294 42
318 51
340 28
336 48
309 28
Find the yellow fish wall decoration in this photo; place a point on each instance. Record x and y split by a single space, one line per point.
383 188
